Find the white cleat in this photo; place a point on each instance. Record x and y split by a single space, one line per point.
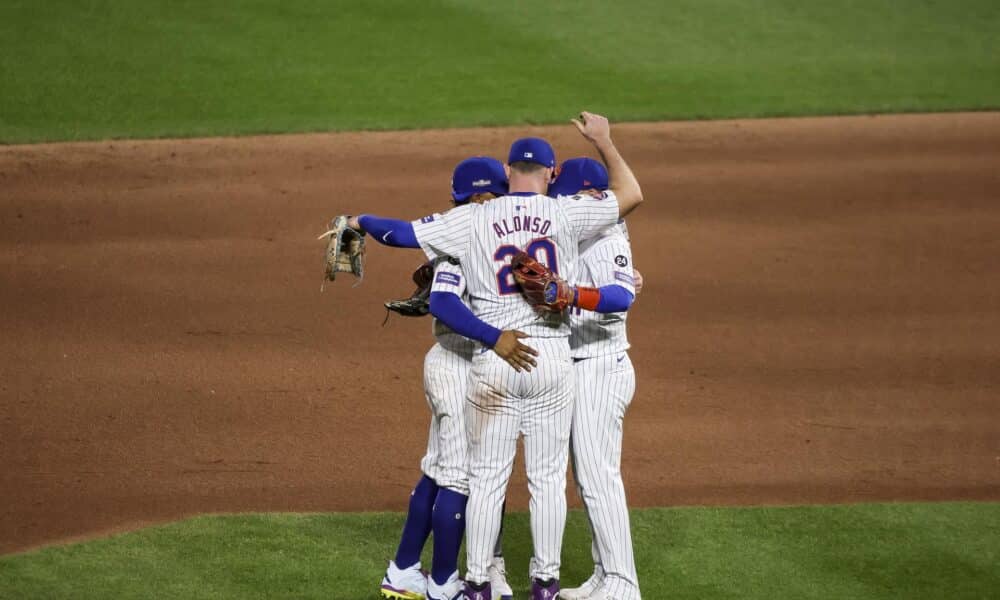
404 584
450 590
586 590
498 580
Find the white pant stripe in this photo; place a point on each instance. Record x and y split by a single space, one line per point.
504 405
605 386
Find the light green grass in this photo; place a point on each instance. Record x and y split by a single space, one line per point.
911 551
86 69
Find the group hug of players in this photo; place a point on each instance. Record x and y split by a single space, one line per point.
506 367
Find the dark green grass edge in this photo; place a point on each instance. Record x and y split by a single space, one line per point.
210 132
216 133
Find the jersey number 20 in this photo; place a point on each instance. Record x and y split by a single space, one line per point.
542 250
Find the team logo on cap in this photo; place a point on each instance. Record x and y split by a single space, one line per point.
482 182
529 155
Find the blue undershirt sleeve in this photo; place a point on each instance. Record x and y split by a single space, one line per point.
391 232
451 311
614 298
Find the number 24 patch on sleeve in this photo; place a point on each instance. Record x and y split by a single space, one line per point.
448 278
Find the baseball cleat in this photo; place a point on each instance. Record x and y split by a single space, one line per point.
584 591
544 590
498 580
404 584
478 591
599 594
449 590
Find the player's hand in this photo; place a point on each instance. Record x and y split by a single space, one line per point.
354 224
594 127
517 355
638 281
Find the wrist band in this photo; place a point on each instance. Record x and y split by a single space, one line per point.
587 298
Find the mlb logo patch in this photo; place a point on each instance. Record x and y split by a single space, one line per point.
625 278
427 219
448 278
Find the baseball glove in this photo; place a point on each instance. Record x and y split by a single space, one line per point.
345 250
418 304
541 287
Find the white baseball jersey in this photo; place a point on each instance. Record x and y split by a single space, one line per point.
446 377
606 260
502 403
484 237
605 384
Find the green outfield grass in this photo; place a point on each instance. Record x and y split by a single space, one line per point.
911 551
78 69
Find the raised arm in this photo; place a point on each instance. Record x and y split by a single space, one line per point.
621 180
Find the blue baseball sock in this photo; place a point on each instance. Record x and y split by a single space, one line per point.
418 523
449 527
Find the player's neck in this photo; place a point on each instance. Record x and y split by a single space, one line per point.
521 183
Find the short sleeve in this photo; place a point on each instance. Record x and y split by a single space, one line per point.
446 234
610 263
589 216
448 277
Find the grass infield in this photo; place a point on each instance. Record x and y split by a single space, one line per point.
91 69
911 551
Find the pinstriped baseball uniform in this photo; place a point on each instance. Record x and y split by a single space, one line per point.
506 404
446 376
605 384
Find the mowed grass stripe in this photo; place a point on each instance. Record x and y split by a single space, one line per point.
933 551
116 68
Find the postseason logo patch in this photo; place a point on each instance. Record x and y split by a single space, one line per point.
448 278
623 277
427 219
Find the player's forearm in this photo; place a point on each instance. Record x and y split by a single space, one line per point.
606 299
390 232
450 310
621 180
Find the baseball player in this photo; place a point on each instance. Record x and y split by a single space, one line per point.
602 266
605 383
438 501
534 399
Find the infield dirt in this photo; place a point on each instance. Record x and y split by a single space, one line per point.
820 322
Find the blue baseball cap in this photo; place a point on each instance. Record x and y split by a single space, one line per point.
579 174
531 149
477 175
